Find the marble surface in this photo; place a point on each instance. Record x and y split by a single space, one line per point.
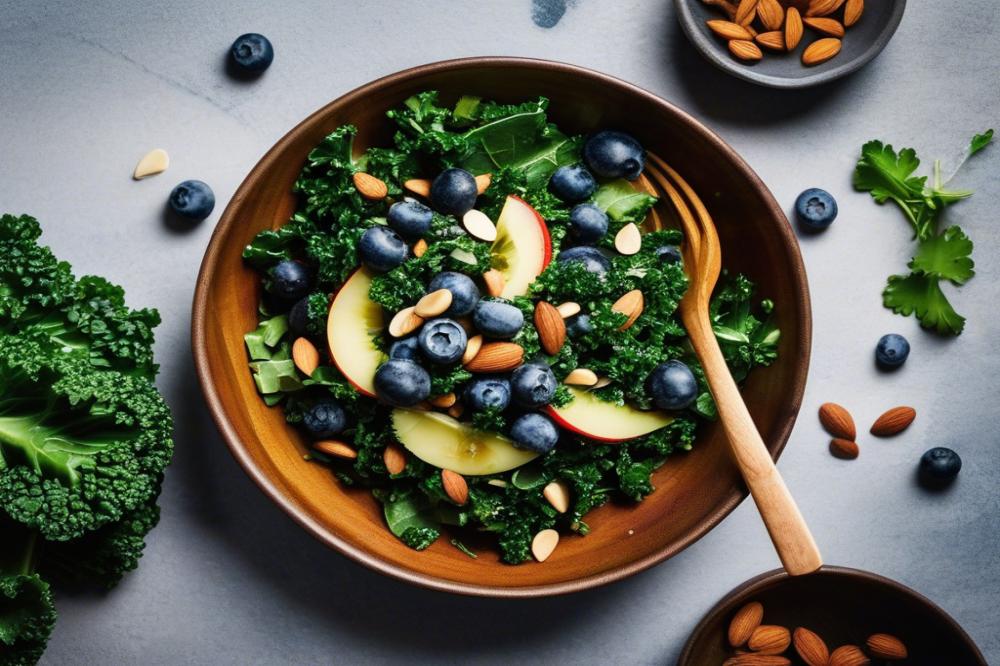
87 88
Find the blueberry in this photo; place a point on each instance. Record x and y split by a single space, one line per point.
324 419
289 280
442 341
488 393
381 249
587 223
402 383
407 349
533 385
534 432
496 319
298 317
252 52
572 183
454 192
614 155
816 209
464 292
891 351
668 254
672 385
411 219
939 466
193 199
590 257
579 325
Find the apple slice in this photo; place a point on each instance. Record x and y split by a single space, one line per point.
605 421
440 440
522 249
353 323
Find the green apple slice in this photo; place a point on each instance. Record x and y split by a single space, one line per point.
440 440
598 419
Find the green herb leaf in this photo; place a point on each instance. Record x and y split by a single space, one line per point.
921 294
946 256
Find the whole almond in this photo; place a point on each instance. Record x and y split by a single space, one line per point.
405 322
557 494
433 304
823 7
455 486
753 659
444 401
745 12
886 646
793 28
771 40
893 422
744 622
369 186
543 544
827 26
745 50
419 248
483 182
305 356
496 357
820 51
837 421
849 655
419 186
495 282
472 348
771 14
844 448
332 447
728 29
568 309
770 639
810 647
631 304
394 459
853 9
551 327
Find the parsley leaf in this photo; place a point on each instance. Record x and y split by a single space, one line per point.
945 256
921 294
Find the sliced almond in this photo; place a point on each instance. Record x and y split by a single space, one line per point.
543 544
630 305
601 383
827 26
844 448
823 7
305 356
557 494
745 12
419 186
893 422
495 282
479 225
369 186
744 622
483 182
154 162
771 40
497 483
581 377
550 326
496 357
728 29
745 50
419 248
472 348
394 459
405 322
793 28
433 304
628 240
456 410
771 14
853 9
455 486
332 447
568 309
820 51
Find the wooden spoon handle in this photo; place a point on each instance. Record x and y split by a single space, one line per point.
789 532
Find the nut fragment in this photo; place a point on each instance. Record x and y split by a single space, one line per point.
305 355
479 225
848 655
433 304
728 29
455 486
405 322
853 10
886 646
472 348
810 647
495 282
744 622
837 421
827 26
771 14
820 51
568 309
543 544
154 162
332 447
581 377
893 422
628 240
444 401
550 326
496 357
483 182
369 186
394 459
601 383
770 639
557 494
419 248
419 186
793 28
630 305
844 448
772 40
745 50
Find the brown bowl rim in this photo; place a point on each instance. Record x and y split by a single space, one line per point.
744 591
325 535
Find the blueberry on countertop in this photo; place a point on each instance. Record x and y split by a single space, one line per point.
533 385
496 319
668 254
464 292
402 383
587 223
410 219
572 183
381 249
454 192
534 432
324 419
407 349
193 199
891 351
579 325
939 466
252 52
816 209
672 385
488 393
612 154
442 341
289 280
590 257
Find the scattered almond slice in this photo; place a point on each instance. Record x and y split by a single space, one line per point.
483 182
601 383
630 305
419 248
332 447
433 304
497 483
628 240
419 186
305 356
557 494
495 282
568 309
444 401
154 162
479 225
581 377
405 322
543 544
472 348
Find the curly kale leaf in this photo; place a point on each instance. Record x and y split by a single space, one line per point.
32 280
27 616
746 340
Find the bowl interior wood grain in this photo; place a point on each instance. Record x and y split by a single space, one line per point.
694 490
844 606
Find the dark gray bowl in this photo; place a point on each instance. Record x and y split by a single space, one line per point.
863 42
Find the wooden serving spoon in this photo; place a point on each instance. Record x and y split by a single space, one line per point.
703 262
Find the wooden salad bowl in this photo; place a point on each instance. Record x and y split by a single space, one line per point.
694 490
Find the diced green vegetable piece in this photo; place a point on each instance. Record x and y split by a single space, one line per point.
465 109
274 329
256 347
276 376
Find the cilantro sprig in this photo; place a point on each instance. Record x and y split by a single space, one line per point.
941 255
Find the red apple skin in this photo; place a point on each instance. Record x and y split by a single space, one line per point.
329 348
546 239
563 423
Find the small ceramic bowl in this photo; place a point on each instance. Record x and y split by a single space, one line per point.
843 606
863 41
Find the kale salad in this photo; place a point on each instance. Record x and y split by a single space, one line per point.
474 324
